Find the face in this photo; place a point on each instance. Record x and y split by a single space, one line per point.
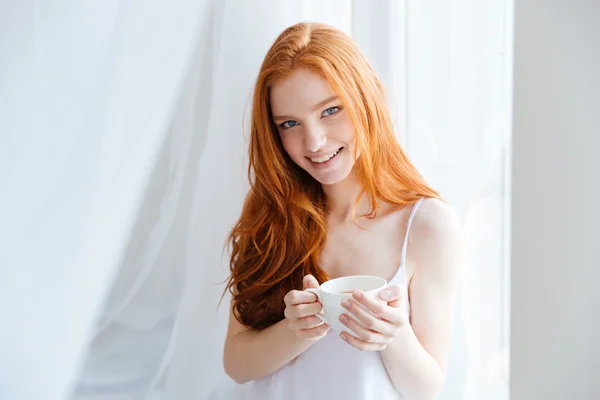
314 127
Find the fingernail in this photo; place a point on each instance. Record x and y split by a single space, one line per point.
346 304
385 294
343 319
357 294
344 337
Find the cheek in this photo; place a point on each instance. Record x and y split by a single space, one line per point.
350 140
291 146
345 131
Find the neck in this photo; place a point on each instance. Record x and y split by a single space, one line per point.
341 196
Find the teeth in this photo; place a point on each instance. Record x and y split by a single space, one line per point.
324 158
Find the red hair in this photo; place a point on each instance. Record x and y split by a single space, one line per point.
281 231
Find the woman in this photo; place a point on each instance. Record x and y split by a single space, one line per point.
333 194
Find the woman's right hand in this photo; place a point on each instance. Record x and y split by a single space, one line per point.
300 310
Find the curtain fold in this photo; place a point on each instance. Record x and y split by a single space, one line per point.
87 97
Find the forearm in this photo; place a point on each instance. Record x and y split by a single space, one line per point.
413 371
252 355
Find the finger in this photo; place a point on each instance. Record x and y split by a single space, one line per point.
367 335
305 323
295 297
368 320
361 344
309 281
394 294
379 307
304 310
313 333
399 303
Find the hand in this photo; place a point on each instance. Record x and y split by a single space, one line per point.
300 310
379 330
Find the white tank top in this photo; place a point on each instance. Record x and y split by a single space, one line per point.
332 369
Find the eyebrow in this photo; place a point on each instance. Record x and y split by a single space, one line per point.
314 108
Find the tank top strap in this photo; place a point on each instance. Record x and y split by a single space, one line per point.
410 220
400 276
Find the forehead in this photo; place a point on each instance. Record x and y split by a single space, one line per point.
299 92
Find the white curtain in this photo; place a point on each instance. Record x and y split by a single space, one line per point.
86 92
121 193
447 66
459 75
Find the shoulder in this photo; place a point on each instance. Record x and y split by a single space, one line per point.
435 238
435 219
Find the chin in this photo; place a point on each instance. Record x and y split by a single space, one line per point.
333 177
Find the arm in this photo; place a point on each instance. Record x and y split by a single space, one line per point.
415 353
416 359
251 355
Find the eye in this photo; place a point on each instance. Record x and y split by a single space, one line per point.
288 124
330 111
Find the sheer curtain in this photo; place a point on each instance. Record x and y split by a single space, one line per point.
459 60
161 320
447 67
86 90
140 172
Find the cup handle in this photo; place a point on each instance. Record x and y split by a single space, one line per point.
317 292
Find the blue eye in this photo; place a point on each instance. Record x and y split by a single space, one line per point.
288 124
330 111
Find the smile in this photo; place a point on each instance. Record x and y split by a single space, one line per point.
325 158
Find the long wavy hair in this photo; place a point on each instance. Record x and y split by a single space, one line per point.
282 228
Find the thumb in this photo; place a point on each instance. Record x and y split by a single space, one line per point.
395 295
309 281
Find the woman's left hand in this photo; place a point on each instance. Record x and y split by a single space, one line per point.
378 330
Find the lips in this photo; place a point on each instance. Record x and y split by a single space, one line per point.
326 157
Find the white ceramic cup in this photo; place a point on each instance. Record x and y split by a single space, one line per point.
333 292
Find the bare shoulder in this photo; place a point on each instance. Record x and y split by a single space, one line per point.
435 219
435 241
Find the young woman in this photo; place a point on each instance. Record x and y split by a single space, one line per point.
333 194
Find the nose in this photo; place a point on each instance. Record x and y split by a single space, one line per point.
315 139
